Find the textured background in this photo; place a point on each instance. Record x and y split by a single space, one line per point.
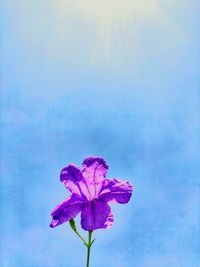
107 78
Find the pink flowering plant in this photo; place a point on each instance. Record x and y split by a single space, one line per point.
91 194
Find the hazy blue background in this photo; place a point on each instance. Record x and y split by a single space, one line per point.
118 81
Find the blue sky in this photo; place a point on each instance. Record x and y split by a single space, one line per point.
110 79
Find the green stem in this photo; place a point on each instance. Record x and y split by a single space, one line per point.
73 226
81 237
88 244
89 247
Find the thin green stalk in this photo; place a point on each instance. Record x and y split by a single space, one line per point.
87 244
73 226
89 247
81 237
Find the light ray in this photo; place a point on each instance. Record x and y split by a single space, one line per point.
107 31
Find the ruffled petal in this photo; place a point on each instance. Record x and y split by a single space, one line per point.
116 191
66 210
96 214
94 172
73 180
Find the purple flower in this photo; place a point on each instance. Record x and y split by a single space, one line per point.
91 193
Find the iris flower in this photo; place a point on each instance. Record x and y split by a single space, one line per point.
91 194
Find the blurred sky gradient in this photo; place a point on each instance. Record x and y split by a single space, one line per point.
109 78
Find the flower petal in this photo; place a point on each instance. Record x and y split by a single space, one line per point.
116 191
73 180
66 210
94 172
96 214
